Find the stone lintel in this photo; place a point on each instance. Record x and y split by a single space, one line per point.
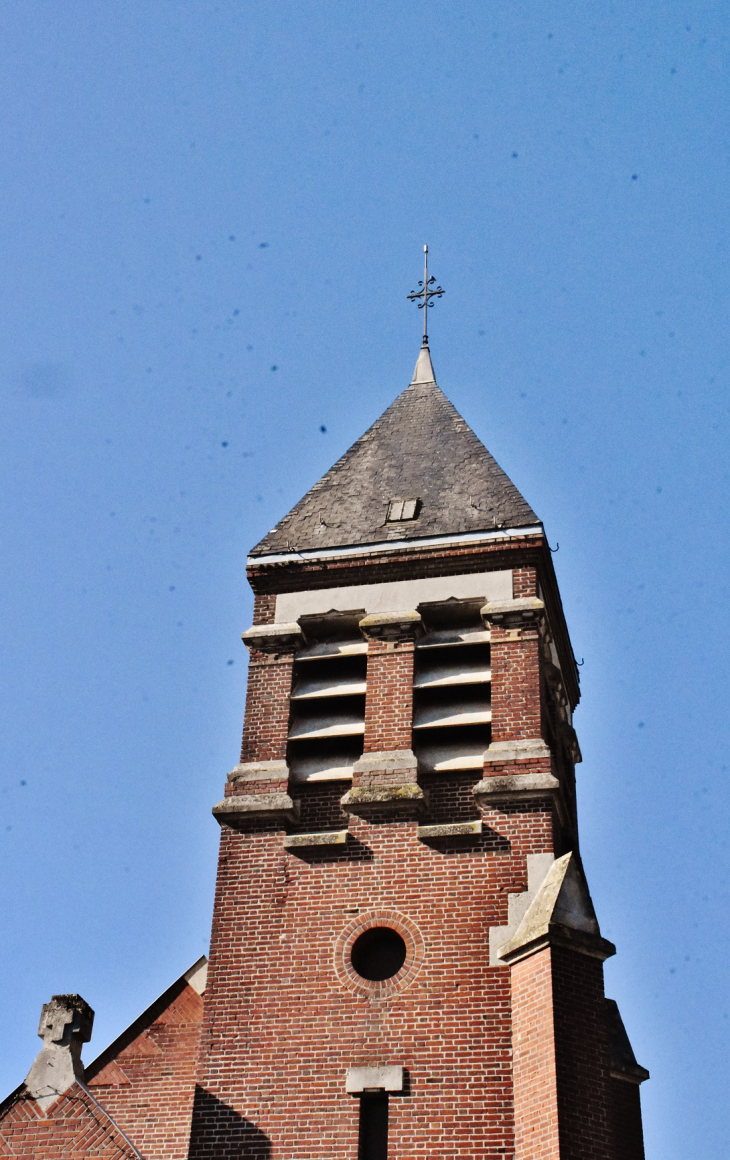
450 830
308 841
372 1079
258 771
391 625
523 611
247 809
273 637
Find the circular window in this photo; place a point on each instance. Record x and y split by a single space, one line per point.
379 953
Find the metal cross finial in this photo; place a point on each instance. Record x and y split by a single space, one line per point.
426 293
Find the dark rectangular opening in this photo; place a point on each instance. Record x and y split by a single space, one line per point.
373 1141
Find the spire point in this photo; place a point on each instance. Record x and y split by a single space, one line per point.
424 372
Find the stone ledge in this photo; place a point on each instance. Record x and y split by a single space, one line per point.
404 798
510 786
309 841
273 637
638 1075
251 808
450 830
525 749
592 945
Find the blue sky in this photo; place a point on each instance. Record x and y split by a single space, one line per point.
212 214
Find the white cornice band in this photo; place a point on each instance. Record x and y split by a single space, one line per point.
397 546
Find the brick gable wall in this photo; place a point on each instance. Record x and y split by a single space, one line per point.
75 1127
148 1085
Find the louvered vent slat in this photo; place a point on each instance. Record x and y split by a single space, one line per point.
327 710
452 686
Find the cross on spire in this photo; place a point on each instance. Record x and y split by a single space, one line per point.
426 293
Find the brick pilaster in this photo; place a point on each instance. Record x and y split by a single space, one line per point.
257 789
389 699
516 702
266 721
561 1057
385 779
537 1134
271 664
524 582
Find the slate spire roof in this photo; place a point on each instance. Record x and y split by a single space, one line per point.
420 448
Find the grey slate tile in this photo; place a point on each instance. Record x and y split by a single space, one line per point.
419 447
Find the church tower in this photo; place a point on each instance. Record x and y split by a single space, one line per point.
405 960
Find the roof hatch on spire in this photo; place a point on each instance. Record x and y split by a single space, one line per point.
419 449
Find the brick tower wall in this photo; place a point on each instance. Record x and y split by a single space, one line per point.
284 1020
285 1014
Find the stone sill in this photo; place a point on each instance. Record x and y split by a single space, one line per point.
309 841
450 830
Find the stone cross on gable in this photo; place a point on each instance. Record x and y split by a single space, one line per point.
64 1027
65 1020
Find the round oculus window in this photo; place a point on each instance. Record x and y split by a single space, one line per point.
378 954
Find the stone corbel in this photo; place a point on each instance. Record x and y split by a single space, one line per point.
273 637
406 800
523 612
392 626
570 740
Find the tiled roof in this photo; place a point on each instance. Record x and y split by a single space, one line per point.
419 448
